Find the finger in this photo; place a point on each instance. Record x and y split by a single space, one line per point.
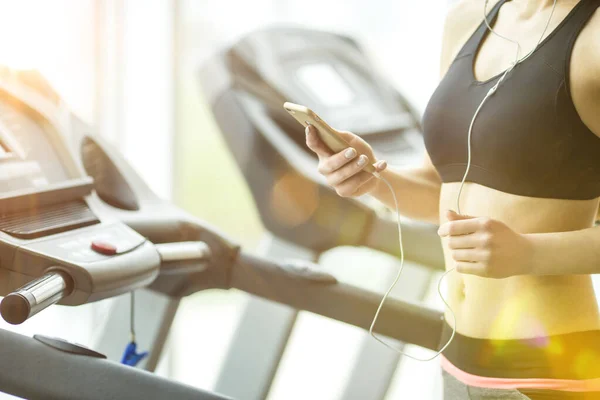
468 255
460 227
472 268
352 184
380 165
463 241
337 161
315 143
454 216
347 171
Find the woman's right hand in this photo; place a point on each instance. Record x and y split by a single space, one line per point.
344 170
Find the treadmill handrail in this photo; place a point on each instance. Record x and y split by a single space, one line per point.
35 371
34 297
400 320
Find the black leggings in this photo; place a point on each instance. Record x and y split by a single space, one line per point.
571 356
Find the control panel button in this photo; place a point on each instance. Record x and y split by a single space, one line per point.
89 245
104 248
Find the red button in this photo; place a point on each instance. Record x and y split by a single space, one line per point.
104 248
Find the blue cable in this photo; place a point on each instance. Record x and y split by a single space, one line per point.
130 356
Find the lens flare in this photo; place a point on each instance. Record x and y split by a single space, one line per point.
509 317
585 361
540 338
294 199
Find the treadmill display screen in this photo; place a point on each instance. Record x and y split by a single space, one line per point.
28 159
325 84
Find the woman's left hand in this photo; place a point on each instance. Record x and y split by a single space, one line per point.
486 247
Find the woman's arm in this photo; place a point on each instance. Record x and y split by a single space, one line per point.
565 253
417 191
489 248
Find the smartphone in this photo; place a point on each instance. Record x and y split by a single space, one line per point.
327 134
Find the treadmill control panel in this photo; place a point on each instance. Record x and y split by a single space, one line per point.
85 247
50 225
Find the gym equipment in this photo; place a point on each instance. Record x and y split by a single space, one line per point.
60 241
77 225
246 86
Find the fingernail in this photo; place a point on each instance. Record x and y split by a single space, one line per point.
381 164
350 154
362 160
306 130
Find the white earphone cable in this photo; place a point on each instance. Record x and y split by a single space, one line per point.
396 281
487 96
495 87
514 41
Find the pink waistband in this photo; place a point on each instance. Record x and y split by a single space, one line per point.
569 385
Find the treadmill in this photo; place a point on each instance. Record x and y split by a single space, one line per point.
246 85
78 225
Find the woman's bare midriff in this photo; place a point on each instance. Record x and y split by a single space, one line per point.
520 306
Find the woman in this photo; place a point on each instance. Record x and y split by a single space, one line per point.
528 324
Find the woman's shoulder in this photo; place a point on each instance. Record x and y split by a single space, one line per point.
465 10
462 19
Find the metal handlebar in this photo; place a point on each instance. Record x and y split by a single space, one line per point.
37 295
183 251
183 257
34 297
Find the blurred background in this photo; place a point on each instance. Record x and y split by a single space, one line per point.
129 69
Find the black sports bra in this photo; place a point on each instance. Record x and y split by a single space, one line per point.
528 138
